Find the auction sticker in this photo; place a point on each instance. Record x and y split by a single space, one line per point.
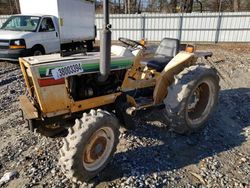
66 71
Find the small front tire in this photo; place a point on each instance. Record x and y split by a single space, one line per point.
89 145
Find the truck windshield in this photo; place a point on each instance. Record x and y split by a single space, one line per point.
21 23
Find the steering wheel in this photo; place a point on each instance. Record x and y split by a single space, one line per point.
131 43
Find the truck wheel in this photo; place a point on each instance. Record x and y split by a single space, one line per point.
90 45
191 98
89 145
37 50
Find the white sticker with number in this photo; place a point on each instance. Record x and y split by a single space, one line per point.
66 71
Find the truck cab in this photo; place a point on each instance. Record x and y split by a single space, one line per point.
48 26
28 35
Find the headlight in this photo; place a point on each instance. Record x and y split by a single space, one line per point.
17 44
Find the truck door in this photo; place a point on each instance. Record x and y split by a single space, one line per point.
49 35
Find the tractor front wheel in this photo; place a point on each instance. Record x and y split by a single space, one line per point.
191 98
89 145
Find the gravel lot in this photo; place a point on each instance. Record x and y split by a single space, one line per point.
152 155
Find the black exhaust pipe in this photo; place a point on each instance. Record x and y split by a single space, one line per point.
105 43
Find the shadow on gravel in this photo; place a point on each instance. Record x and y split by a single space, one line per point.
171 151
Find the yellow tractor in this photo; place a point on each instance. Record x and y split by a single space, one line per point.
100 95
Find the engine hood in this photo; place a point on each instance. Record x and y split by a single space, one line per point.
9 35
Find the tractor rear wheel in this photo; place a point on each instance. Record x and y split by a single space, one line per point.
192 98
89 145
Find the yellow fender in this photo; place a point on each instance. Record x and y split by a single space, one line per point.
175 66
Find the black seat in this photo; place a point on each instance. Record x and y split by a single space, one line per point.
167 49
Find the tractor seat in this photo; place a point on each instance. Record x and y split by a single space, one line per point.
165 52
157 62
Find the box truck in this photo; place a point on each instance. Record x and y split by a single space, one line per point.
48 26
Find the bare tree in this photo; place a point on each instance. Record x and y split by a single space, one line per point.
173 5
129 6
236 5
125 6
139 7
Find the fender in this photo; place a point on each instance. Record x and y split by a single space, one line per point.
175 66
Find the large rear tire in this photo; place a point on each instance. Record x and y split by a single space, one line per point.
191 98
89 145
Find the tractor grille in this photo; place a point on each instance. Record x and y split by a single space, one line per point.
4 44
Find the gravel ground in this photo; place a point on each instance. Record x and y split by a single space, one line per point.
152 155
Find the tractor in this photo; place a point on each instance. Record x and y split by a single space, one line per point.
100 91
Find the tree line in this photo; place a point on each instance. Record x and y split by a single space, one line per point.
160 6
174 6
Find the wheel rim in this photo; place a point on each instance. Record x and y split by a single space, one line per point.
98 149
37 53
200 103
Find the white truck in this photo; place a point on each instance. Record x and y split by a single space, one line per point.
48 26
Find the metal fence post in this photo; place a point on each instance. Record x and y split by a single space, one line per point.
180 26
218 27
143 25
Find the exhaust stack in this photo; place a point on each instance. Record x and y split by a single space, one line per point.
105 43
